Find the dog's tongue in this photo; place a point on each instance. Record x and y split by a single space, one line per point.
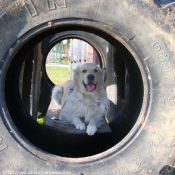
90 87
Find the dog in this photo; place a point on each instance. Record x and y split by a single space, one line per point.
84 96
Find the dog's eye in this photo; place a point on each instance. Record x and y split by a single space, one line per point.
84 71
95 70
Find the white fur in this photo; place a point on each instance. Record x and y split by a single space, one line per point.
80 102
57 94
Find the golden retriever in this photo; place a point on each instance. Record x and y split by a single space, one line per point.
84 96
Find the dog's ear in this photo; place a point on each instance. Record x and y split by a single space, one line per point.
75 73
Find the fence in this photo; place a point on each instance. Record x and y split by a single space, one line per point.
76 51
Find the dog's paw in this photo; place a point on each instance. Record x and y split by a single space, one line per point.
80 126
91 129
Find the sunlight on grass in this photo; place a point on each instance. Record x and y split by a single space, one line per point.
40 119
58 75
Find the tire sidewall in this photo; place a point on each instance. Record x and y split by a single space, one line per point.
153 48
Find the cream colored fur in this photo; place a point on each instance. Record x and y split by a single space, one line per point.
78 102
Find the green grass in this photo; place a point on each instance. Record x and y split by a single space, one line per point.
57 75
40 119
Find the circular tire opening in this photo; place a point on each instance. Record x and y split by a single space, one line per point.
124 85
65 55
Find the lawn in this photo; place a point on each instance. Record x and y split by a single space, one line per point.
58 75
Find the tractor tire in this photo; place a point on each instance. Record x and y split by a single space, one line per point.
143 134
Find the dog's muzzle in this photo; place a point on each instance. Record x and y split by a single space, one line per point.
90 86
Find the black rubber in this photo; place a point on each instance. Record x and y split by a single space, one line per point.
142 39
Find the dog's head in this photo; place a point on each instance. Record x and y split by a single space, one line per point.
89 78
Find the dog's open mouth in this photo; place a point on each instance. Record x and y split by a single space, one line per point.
90 87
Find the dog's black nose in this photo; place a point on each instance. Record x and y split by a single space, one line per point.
90 77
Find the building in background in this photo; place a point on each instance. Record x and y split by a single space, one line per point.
75 51
81 51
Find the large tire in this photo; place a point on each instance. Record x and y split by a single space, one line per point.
143 137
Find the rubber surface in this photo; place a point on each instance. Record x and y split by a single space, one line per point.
146 31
